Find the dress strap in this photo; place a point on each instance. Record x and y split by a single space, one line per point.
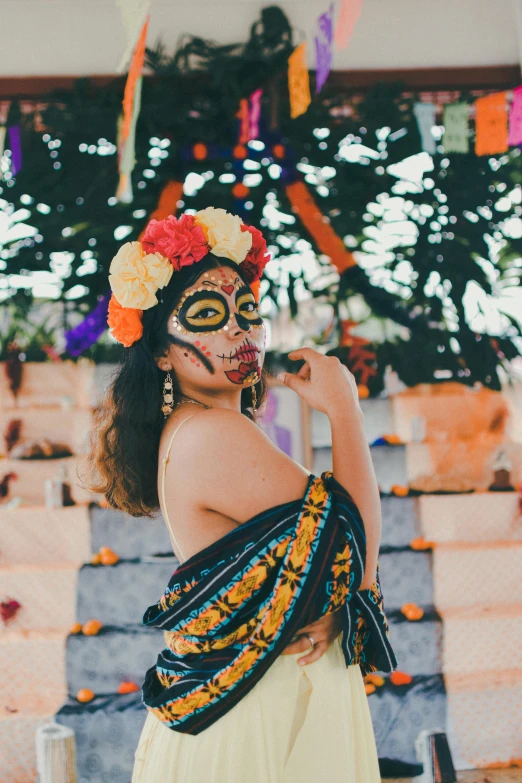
165 461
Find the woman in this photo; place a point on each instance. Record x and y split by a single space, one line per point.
269 554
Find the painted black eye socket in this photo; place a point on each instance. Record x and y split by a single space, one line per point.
205 310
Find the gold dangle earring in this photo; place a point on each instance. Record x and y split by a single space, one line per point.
254 399
168 397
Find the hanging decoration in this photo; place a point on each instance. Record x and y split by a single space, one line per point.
491 126
456 128
249 114
362 361
79 339
515 119
298 82
133 13
131 106
425 116
349 12
167 203
323 48
319 227
15 145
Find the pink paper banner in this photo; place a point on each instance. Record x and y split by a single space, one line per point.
349 13
255 114
323 48
515 118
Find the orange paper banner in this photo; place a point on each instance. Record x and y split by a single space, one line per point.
298 82
167 202
135 70
312 218
491 124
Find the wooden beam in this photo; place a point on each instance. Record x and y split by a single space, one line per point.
482 77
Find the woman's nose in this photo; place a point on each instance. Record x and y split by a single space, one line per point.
237 325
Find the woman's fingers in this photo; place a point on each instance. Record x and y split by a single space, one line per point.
301 645
319 649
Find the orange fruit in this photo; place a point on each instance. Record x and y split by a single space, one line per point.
85 694
76 628
420 543
400 678
393 439
399 491
128 687
412 611
369 688
374 679
107 556
91 627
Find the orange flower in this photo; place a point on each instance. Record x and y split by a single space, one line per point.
125 323
369 688
91 627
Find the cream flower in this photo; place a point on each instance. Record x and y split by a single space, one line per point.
223 233
135 276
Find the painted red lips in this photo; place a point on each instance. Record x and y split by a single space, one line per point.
248 365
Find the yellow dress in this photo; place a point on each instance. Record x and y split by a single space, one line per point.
298 724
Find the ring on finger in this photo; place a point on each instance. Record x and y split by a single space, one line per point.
311 641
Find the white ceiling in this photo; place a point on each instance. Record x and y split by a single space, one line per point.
76 37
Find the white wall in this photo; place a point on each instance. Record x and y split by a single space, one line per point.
52 37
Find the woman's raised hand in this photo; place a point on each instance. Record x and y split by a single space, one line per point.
323 381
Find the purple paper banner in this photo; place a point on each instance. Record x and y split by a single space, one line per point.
323 48
15 145
90 330
255 114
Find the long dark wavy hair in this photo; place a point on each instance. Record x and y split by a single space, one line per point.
122 462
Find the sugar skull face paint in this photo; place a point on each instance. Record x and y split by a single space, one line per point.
218 330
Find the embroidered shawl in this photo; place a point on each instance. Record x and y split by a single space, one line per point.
231 609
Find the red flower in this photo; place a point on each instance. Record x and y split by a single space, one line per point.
257 257
180 240
9 608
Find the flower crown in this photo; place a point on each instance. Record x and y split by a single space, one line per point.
140 268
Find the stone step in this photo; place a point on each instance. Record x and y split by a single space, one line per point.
477 574
45 384
46 592
32 474
130 537
400 521
32 663
114 655
389 463
470 635
17 741
63 425
485 716
120 594
479 516
36 534
107 732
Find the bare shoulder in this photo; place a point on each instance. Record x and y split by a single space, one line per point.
234 467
